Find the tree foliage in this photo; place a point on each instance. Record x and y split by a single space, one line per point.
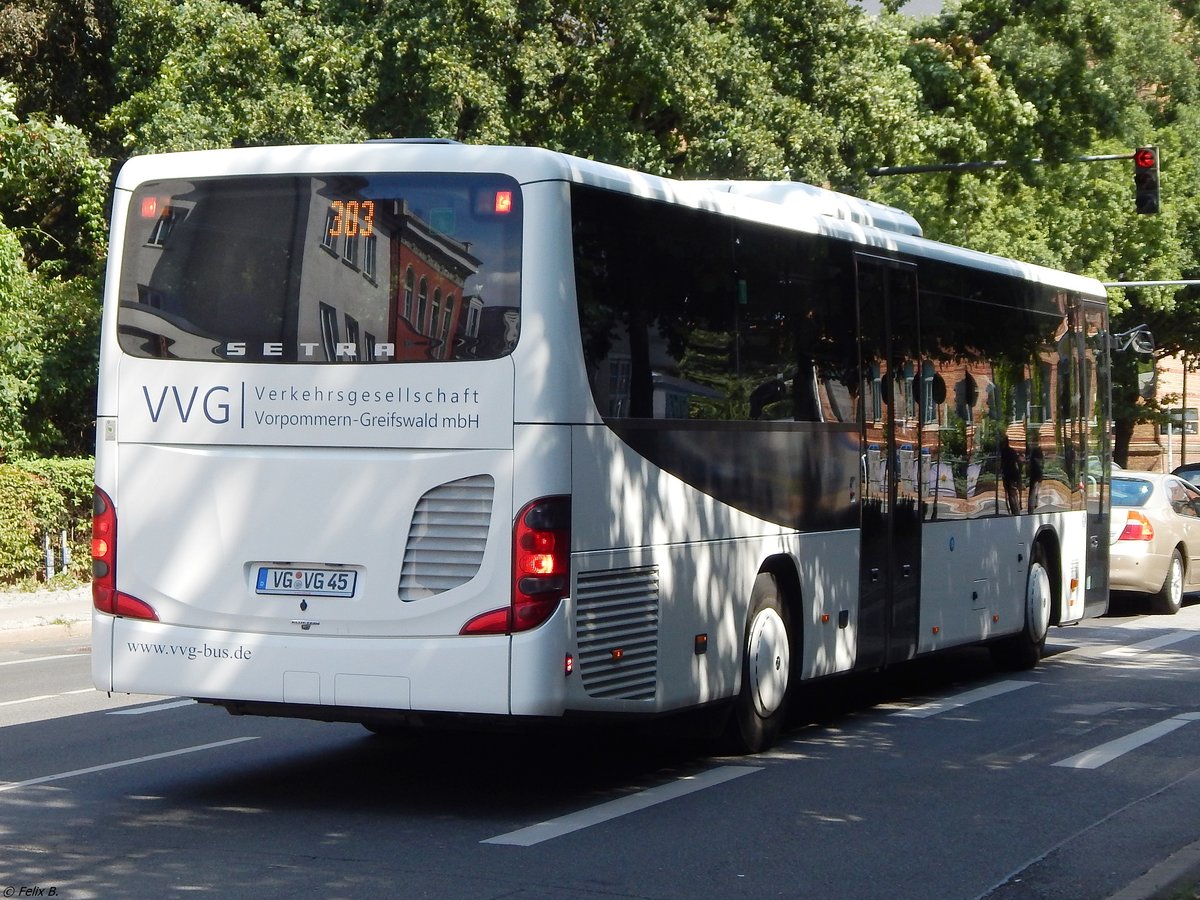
803 89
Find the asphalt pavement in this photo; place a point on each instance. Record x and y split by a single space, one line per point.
56 614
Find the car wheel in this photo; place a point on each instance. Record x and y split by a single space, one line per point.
1169 598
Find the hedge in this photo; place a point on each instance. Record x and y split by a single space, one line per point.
40 497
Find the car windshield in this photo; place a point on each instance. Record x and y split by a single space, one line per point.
1131 491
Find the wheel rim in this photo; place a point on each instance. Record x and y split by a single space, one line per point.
1037 602
1176 582
770 662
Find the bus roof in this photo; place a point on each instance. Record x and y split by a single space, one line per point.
788 204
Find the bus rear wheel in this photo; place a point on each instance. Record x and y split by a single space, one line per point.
1025 649
761 705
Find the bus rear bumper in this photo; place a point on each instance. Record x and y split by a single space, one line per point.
444 674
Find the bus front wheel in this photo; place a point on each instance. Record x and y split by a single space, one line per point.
761 704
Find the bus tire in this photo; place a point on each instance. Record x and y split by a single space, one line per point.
1024 650
761 705
1169 598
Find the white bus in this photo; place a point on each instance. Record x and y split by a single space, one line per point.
402 431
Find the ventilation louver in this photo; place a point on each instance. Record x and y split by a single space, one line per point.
447 537
617 629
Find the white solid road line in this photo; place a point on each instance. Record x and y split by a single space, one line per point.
158 707
544 831
934 707
17 662
47 697
17 785
1106 753
1163 640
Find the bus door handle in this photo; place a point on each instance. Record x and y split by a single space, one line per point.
905 570
874 575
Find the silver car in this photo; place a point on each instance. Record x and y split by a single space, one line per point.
1154 545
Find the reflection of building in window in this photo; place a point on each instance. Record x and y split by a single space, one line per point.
410 283
448 318
251 265
928 408
329 330
436 267
163 227
327 236
150 297
369 265
422 305
474 306
352 334
618 386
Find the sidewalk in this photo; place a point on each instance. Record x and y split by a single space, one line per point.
46 615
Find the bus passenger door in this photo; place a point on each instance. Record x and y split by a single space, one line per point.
890 547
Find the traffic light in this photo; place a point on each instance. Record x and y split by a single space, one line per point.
1145 180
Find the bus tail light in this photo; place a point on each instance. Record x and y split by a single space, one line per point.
105 596
1137 528
541 569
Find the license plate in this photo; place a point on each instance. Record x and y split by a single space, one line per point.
306 581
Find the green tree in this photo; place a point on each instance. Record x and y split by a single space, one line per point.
208 73
52 194
58 53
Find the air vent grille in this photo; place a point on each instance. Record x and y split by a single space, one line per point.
617 629
447 537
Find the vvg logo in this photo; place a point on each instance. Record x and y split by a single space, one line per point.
213 405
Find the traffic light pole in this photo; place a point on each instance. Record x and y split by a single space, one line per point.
985 164
1145 172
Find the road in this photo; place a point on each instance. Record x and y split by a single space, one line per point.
943 778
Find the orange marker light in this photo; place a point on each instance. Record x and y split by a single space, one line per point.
504 202
149 207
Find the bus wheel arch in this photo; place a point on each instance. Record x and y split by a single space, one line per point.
769 659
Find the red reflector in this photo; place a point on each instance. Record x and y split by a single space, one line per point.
133 608
504 202
149 207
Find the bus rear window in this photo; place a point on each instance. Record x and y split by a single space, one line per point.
322 269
